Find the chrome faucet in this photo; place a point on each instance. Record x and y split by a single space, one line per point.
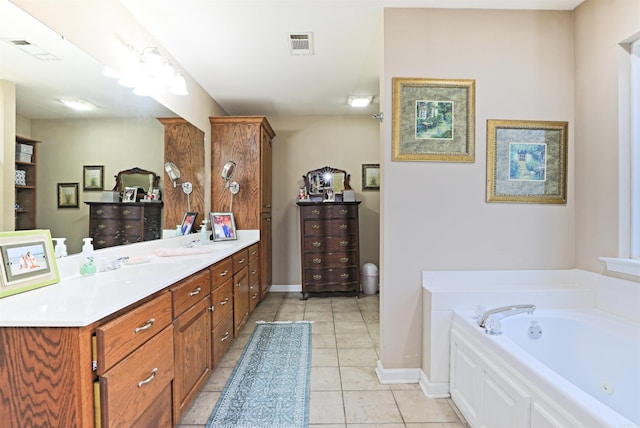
490 327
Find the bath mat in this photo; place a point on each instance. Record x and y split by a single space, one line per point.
269 387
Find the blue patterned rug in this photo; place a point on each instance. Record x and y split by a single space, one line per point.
269 387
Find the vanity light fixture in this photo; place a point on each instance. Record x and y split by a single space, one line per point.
78 104
359 100
174 175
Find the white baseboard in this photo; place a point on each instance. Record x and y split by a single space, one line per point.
294 288
433 389
389 376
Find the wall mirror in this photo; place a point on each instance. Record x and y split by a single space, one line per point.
317 181
136 177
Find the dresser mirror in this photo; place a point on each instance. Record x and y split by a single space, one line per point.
136 177
317 181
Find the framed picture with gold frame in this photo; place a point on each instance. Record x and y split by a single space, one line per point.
68 195
527 161
433 120
28 261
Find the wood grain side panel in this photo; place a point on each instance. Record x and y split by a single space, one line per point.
42 380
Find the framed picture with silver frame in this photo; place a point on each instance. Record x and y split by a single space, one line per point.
223 226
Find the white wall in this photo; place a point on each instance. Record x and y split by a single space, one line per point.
67 145
434 215
306 143
600 27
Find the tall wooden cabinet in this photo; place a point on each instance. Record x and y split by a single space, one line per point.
26 174
247 141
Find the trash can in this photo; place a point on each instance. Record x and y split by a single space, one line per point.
369 278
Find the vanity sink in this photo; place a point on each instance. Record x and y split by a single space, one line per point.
140 271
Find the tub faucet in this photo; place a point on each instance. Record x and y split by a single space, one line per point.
502 312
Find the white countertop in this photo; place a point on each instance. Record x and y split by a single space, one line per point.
78 301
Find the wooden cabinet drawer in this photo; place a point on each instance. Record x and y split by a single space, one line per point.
119 337
189 291
115 211
331 243
240 260
253 251
325 276
132 385
221 271
222 302
254 284
321 260
333 227
107 226
222 336
329 211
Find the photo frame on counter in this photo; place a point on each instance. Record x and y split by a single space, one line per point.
371 176
433 120
93 178
129 194
188 221
28 261
223 226
527 161
68 195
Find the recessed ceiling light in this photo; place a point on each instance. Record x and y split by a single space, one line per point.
359 101
78 104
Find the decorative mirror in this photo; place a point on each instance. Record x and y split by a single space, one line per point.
136 177
318 181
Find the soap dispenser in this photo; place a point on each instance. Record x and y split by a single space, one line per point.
60 249
204 236
87 258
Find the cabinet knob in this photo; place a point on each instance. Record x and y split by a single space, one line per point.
195 292
211 308
238 285
268 220
316 244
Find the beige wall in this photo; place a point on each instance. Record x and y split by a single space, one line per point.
434 215
311 142
7 154
67 145
600 27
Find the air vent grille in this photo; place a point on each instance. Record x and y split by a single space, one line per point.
300 43
33 50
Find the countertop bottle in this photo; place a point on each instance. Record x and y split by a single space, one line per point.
87 258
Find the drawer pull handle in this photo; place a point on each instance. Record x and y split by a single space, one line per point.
343 211
102 226
211 308
238 284
268 220
224 272
254 252
253 272
195 292
102 242
144 327
149 379
315 227
255 296
316 244
126 212
315 212
344 276
226 336
317 261
344 243
241 261
100 212
225 301
317 277
344 259
343 227
128 226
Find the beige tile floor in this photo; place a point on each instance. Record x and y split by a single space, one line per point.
345 392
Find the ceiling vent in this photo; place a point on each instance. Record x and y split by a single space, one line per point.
301 43
33 50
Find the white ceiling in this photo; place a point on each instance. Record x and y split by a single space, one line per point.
237 50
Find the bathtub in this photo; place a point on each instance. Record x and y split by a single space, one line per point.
582 371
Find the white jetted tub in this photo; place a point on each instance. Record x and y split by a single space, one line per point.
582 370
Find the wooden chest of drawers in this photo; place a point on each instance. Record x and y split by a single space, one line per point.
124 223
329 247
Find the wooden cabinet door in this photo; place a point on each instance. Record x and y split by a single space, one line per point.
265 255
240 299
192 344
265 171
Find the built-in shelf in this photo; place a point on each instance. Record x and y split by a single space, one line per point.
26 195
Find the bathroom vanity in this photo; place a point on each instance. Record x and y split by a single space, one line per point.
129 347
